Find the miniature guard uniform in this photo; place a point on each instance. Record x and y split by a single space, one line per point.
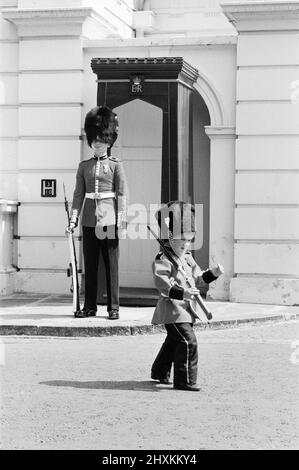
180 346
101 186
176 314
171 308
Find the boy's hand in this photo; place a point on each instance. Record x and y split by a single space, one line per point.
217 270
190 293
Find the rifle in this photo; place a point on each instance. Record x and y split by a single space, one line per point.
72 270
180 269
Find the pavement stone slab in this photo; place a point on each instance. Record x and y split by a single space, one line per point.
46 315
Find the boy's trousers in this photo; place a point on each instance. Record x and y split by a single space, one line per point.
179 348
110 251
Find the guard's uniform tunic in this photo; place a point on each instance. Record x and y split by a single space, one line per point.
101 182
180 346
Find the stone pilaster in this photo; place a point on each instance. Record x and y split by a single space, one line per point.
222 158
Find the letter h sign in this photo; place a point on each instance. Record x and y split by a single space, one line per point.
48 188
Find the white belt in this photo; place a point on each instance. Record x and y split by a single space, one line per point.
105 195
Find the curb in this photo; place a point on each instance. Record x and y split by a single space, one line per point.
98 331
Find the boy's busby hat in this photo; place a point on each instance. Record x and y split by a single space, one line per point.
176 217
101 122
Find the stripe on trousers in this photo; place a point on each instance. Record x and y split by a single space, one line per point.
187 345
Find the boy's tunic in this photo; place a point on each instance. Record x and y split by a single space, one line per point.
171 308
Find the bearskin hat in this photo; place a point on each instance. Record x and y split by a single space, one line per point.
101 122
175 218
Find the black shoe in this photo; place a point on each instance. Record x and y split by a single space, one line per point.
85 312
91 313
113 315
81 314
162 380
188 387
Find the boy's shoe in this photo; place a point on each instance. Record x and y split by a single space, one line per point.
187 387
162 380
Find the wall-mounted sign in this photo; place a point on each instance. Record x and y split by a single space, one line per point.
136 85
48 188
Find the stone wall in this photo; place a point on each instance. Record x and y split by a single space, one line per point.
267 178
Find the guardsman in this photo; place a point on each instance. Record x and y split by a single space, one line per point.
173 308
101 182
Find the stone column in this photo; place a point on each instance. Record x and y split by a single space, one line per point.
222 171
8 210
266 249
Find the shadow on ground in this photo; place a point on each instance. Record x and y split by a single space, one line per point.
144 386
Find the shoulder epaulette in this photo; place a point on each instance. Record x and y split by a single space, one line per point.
114 159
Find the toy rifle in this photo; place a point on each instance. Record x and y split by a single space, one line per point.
179 268
72 270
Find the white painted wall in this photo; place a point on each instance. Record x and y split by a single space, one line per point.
116 15
266 223
271 152
44 54
49 87
266 192
204 16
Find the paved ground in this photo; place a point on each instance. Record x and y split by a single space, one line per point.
50 315
95 393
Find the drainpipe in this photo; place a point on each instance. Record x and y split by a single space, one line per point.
8 268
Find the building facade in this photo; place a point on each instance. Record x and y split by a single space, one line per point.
245 134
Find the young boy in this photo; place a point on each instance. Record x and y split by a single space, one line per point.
173 307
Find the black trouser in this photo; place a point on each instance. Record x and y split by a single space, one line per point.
179 348
91 251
